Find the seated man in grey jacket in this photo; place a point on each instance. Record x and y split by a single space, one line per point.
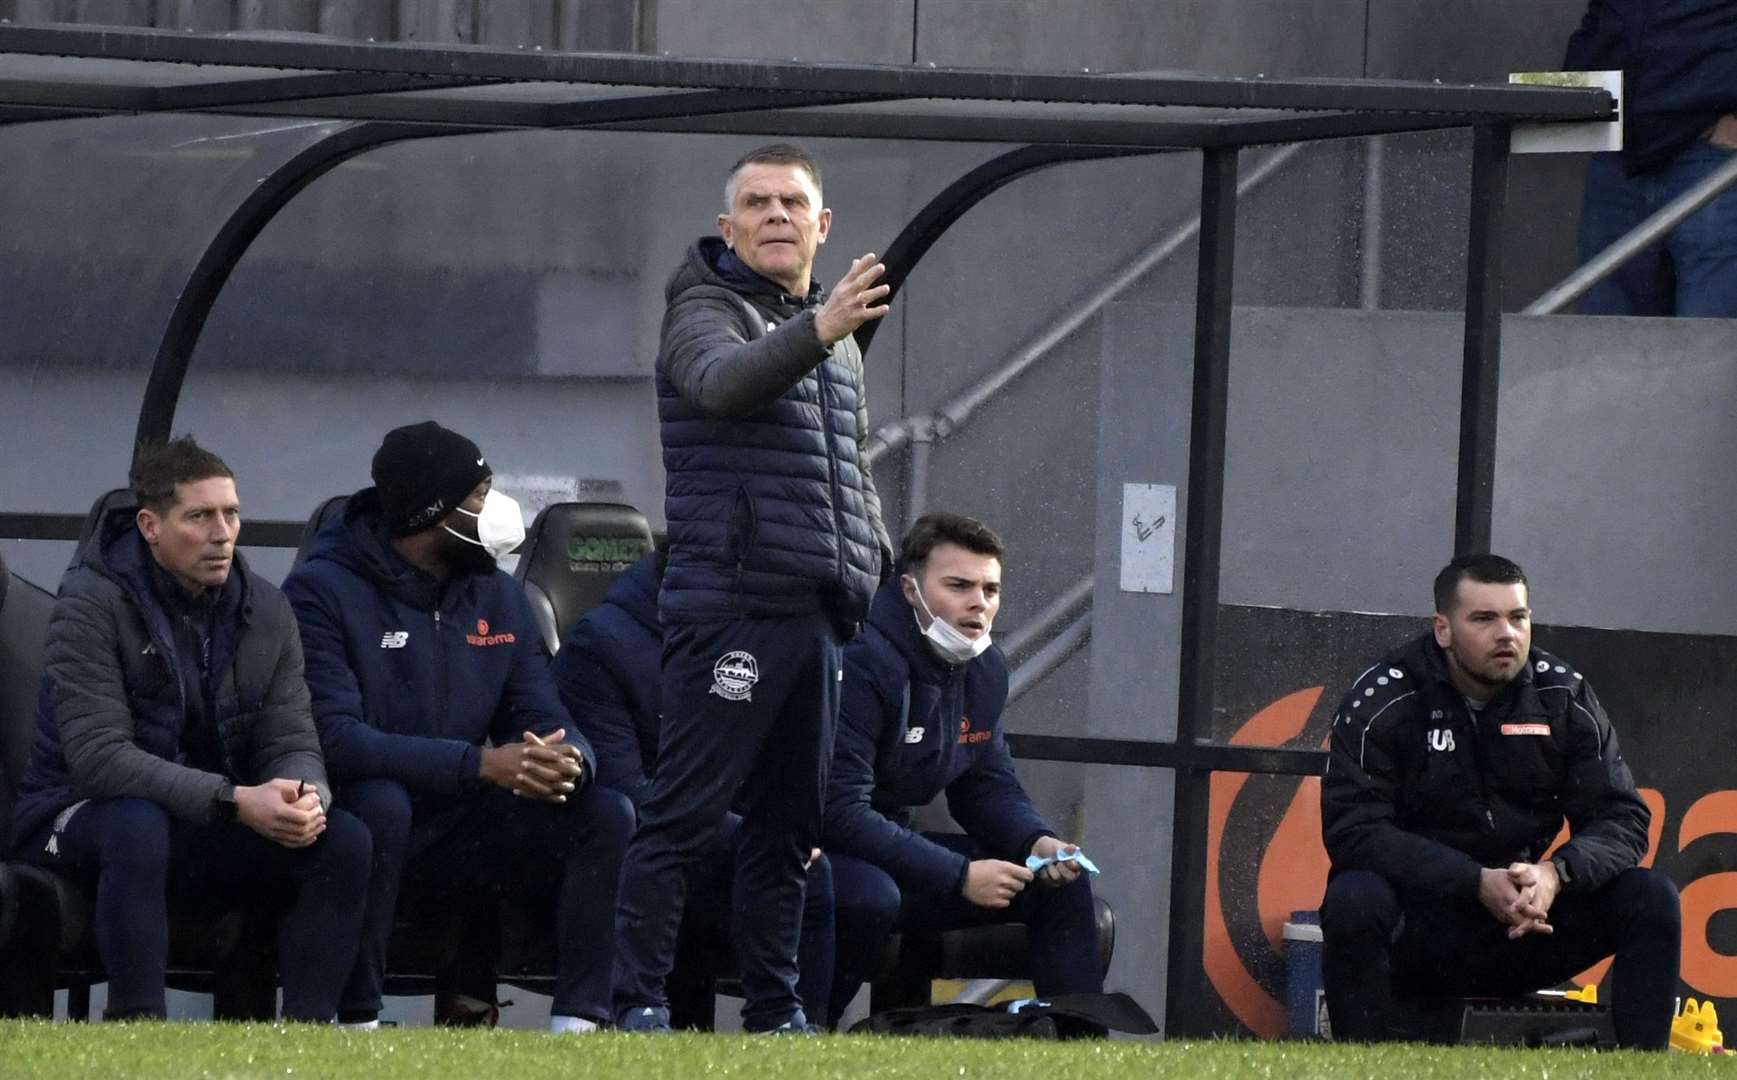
175 759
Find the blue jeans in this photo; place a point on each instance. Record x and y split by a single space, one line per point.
1061 920
1693 270
146 864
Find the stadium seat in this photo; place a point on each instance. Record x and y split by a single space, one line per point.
24 611
571 555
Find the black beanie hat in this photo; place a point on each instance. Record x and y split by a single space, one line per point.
422 471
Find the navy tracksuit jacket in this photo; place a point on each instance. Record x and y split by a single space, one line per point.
410 677
911 727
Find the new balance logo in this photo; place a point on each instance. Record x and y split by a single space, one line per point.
914 735
394 639
1440 739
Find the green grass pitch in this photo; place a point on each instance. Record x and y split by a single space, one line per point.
42 1050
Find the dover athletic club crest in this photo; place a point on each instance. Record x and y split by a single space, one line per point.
734 676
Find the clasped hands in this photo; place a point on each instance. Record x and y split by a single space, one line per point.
1520 896
545 768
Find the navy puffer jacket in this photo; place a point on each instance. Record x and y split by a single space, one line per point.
771 511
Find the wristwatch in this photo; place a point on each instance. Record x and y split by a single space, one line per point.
1563 876
223 803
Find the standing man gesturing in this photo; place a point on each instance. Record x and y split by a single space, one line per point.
776 546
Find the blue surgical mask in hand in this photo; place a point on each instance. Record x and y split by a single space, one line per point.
1036 863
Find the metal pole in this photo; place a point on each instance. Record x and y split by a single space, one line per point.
1047 659
1369 278
269 194
917 480
1205 521
1062 608
959 409
1644 235
1481 376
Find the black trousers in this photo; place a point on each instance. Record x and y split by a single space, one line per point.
469 851
1061 921
749 708
146 864
1377 941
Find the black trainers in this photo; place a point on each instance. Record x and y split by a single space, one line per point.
649 1019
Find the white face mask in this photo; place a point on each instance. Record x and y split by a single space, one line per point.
948 641
500 527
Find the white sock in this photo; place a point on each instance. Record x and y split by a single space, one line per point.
571 1025
365 1025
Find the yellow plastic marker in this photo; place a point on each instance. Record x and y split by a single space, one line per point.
1586 995
1696 1029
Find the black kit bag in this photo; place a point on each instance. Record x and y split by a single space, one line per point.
1062 1016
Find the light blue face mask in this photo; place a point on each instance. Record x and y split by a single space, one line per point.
500 527
948 641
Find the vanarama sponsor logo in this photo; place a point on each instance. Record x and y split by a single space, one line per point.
483 637
967 736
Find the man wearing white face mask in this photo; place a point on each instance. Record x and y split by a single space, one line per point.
923 694
442 727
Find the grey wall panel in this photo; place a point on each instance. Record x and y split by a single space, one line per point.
1239 37
1143 409
1340 472
1468 40
1613 478
878 32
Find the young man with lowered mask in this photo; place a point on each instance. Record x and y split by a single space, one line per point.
923 694
1454 762
443 729
175 761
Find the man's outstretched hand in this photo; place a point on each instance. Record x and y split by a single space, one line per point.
855 300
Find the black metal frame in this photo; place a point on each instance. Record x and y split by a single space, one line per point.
369 82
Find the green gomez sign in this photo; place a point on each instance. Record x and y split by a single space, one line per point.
598 554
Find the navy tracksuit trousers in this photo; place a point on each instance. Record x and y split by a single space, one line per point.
710 912
147 864
468 852
749 709
1061 921
1376 943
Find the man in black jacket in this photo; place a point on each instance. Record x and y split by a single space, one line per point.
775 546
923 693
1455 761
175 760
1679 65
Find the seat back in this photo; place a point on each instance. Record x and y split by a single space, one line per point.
107 501
24 613
326 511
571 555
